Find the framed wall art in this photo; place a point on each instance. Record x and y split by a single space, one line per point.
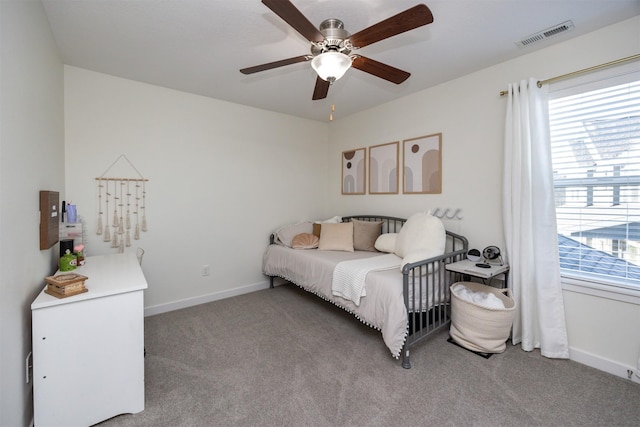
422 165
354 171
383 168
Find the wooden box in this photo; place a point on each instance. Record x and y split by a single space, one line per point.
65 285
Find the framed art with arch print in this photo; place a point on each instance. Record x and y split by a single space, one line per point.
422 161
354 171
383 168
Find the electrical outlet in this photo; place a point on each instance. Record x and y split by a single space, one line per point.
206 270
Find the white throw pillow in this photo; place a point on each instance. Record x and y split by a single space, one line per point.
420 255
421 231
284 235
386 242
332 220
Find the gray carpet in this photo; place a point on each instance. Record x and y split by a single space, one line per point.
284 357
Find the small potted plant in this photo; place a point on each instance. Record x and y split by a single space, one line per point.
79 255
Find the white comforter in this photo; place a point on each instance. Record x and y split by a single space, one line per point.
383 306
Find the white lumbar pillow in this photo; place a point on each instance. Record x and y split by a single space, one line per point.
422 231
386 242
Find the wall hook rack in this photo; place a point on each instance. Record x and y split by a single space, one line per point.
448 213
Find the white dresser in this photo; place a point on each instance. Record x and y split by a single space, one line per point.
88 349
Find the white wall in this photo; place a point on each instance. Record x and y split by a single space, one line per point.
221 177
470 114
31 159
603 332
466 115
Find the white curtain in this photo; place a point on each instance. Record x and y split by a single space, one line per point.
530 223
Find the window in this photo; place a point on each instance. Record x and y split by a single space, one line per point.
595 141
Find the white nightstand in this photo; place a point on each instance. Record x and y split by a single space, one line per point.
469 268
88 349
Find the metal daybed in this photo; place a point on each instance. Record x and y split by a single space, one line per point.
416 298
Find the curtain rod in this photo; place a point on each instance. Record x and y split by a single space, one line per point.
584 71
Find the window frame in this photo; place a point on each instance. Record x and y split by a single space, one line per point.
582 282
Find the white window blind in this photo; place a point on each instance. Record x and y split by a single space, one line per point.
595 138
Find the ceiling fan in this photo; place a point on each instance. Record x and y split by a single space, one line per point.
331 45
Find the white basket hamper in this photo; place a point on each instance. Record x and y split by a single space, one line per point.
480 328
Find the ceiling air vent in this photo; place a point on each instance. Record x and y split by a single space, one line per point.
549 32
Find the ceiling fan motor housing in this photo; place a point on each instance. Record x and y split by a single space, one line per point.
335 38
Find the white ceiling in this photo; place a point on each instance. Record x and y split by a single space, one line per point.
198 46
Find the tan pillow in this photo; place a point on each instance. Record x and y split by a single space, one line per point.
317 225
305 241
336 237
365 234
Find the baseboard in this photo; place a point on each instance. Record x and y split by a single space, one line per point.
606 365
203 299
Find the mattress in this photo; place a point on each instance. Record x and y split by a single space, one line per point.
383 306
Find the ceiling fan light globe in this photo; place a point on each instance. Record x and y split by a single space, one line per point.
330 66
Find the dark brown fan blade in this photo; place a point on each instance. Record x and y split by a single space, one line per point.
275 64
412 18
321 90
379 69
292 16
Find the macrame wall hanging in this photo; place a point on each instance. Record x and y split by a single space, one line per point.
120 199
